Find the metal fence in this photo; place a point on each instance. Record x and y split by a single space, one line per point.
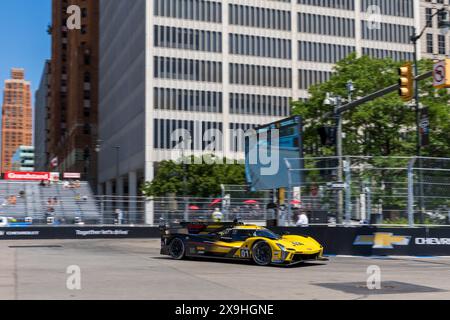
236 202
112 210
374 190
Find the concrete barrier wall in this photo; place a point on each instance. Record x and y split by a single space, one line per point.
81 232
364 241
368 241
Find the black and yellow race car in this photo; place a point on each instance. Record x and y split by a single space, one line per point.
238 242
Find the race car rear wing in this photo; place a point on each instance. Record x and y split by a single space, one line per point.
196 227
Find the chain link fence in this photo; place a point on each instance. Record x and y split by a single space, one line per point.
374 190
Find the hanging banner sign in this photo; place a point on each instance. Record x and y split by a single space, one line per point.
424 128
27 176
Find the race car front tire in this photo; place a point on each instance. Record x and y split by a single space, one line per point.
262 253
177 249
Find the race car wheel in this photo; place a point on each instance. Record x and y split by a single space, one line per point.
176 249
262 253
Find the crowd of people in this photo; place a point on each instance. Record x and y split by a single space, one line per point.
298 217
67 184
72 184
11 200
50 205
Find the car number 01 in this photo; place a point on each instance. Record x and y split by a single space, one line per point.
245 253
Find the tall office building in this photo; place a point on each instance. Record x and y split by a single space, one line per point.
41 118
16 117
230 64
23 160
434 44
73 107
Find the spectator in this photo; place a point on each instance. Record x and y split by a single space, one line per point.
303 220
50 208
119 216
217 215
21 194
282 216
42 183
12 200
66 184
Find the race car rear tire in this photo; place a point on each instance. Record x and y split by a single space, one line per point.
177 249
262 253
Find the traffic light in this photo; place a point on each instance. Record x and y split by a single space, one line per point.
406 82
328 135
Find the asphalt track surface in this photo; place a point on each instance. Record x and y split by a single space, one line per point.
133 269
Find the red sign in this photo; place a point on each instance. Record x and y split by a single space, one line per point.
27 176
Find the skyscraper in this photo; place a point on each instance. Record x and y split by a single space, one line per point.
41 117
16 117
228 65
434 44
73 107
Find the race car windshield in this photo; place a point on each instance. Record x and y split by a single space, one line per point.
267 234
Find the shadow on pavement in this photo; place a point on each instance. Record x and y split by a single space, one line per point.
248 263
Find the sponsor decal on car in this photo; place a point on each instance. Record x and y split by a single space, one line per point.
245 253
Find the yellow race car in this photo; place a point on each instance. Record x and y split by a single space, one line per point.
237 241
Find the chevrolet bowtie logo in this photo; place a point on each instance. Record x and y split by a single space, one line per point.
381 240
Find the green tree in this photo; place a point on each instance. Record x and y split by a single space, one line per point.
385 126
202 180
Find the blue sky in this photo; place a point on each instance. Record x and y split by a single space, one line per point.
24 41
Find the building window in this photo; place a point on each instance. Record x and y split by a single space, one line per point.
428 18
441 43
429 43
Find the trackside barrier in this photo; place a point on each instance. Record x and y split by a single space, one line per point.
378 241
357 241
78 232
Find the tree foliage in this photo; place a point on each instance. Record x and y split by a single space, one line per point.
202 180
385 126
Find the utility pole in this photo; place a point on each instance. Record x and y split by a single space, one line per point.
336 101
415 40
339 152
185 197
443 24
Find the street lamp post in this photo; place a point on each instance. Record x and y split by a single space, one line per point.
185 191
339 154
336 101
